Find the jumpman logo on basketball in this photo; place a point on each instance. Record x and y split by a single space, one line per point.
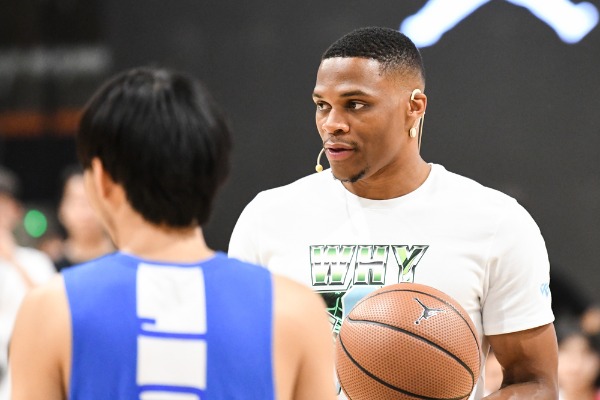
427 312
571 22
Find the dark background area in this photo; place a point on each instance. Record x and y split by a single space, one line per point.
510 104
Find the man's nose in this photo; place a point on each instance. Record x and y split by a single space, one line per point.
335 123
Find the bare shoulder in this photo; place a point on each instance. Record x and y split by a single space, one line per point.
44 307
45 304
295 299
52 290
303 343
39 370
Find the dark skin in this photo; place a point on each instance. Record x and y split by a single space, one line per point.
364 117
529 361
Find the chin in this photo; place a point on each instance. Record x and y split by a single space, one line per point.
346 177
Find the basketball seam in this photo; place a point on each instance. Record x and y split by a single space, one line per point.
389 385
427 294
429 342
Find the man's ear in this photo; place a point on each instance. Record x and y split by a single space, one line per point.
102 181
418 102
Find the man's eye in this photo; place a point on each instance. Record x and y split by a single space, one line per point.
322 106
356 106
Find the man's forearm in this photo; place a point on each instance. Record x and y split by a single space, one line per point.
535 390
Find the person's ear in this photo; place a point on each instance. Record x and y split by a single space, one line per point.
102 181
418 102
417 106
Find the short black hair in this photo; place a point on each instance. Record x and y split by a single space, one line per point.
392 49
159 134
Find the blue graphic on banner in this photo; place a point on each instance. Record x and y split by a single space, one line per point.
571 22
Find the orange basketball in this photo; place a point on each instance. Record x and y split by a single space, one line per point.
407 341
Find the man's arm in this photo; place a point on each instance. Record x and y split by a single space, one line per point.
529 362
303 344
39 354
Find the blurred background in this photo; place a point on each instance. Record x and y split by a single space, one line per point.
513 95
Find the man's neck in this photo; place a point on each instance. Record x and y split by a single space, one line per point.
82 248
161 243
390 186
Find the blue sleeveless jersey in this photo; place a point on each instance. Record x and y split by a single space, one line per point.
155 331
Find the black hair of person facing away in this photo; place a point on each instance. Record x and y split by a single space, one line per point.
393 50
155 148
164 113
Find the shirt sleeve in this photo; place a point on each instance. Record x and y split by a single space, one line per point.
518 273
245 238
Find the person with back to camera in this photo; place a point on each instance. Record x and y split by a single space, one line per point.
382 215
165 317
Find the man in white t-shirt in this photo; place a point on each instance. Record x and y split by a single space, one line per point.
21 268
382 215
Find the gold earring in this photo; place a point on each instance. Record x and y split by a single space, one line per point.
413 132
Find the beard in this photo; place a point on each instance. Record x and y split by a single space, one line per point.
351 179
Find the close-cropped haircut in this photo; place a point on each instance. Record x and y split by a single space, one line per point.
393 50
161 136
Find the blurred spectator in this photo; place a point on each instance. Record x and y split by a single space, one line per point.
52 243
570 304
21 268
579 345
85 236
578 365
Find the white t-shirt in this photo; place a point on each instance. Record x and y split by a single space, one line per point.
473 243
40 269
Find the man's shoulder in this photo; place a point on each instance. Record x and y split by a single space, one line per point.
94 270
323 179
467 198
109 258
303 189
468 189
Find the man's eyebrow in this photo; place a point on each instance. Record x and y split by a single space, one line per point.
354 93
345 94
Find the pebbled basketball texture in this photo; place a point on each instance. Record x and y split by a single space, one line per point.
408 341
